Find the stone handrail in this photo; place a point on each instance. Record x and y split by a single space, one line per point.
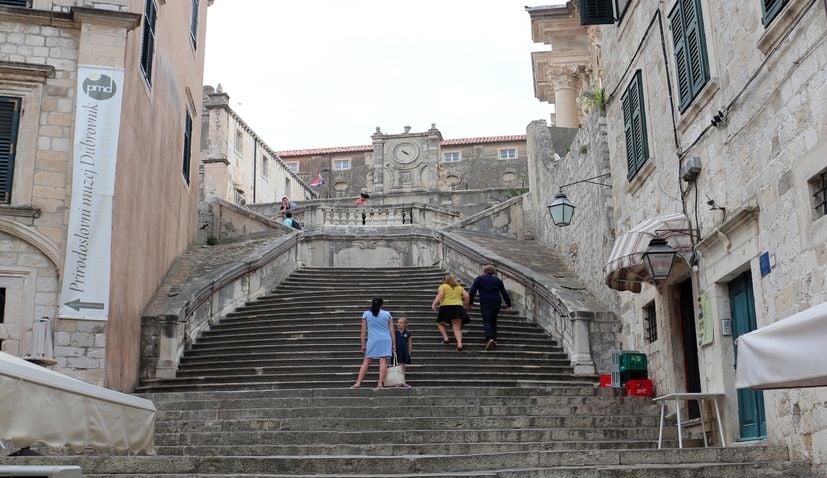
503 219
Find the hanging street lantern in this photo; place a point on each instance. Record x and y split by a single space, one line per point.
658 259
561 210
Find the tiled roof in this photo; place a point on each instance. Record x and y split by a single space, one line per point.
484 139
367 148
319 151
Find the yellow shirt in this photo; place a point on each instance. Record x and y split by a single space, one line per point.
451 296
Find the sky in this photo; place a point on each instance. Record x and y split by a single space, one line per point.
323 73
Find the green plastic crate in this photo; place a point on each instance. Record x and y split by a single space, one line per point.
627 361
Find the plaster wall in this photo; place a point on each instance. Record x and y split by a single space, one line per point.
154 215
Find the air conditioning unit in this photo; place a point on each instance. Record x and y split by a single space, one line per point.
41 471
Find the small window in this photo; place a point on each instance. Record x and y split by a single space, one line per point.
293 166
187 147
452 157
650 321
691 63
194 23
148 41
9 122
341 164
239 141
508 153
2 305
239 197
771 9
818 186
16 3
265 167
634 125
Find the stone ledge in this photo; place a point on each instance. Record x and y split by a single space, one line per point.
100 16
781 24
39 73
20 211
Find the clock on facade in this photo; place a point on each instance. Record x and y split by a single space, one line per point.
405 152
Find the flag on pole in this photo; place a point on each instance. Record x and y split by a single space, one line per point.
318 181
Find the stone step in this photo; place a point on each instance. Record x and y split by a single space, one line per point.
397 449
320 330
417 322
369 437
413 370
384 411
470 355
405 424
172 385
353 346
536 394
744 458
341 338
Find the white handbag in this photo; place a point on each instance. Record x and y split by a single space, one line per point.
395 375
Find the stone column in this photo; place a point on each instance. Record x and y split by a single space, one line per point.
566 82
378 161
580 354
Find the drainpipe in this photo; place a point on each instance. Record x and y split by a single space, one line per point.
255 163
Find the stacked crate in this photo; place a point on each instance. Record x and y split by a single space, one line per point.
628 365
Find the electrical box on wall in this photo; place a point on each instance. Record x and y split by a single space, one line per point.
726 327
690 169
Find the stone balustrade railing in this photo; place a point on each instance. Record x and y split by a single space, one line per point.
323 215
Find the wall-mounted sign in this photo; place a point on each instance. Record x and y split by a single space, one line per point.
764 262
705 331
85 291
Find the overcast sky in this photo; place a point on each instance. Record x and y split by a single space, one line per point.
325 73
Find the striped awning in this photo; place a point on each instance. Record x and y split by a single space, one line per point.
625 269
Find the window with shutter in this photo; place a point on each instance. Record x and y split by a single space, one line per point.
148 42
771 9
634 126
16 3
691 62
9 120
187 147
596 12
194 23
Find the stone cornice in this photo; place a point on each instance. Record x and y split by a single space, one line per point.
20 211
37 72
100 16
742 218
41 17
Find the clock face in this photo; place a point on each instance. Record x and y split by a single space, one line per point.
405 152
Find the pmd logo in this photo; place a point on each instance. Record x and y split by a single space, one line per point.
99 87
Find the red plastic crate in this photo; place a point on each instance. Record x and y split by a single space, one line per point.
605 380
640 388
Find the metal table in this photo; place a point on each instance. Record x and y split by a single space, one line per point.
699 397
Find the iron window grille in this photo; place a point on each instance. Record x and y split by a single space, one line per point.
650 321
820 183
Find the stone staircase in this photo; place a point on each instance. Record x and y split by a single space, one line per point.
265 394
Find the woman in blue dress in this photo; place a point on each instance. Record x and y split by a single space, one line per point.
377 325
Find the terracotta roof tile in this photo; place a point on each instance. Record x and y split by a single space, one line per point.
368 148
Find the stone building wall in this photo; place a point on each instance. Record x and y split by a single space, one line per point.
757 164
479 167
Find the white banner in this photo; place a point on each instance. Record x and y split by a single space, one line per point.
85 292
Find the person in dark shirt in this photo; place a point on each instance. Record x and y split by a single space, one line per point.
492 293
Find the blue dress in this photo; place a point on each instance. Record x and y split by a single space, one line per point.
379 335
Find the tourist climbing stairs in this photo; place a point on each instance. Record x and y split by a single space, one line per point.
265 393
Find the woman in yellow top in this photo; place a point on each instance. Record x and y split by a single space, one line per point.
451 300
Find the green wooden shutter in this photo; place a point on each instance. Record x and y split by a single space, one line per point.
691 63
185 170
771 9
634 126
596 12
9 121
